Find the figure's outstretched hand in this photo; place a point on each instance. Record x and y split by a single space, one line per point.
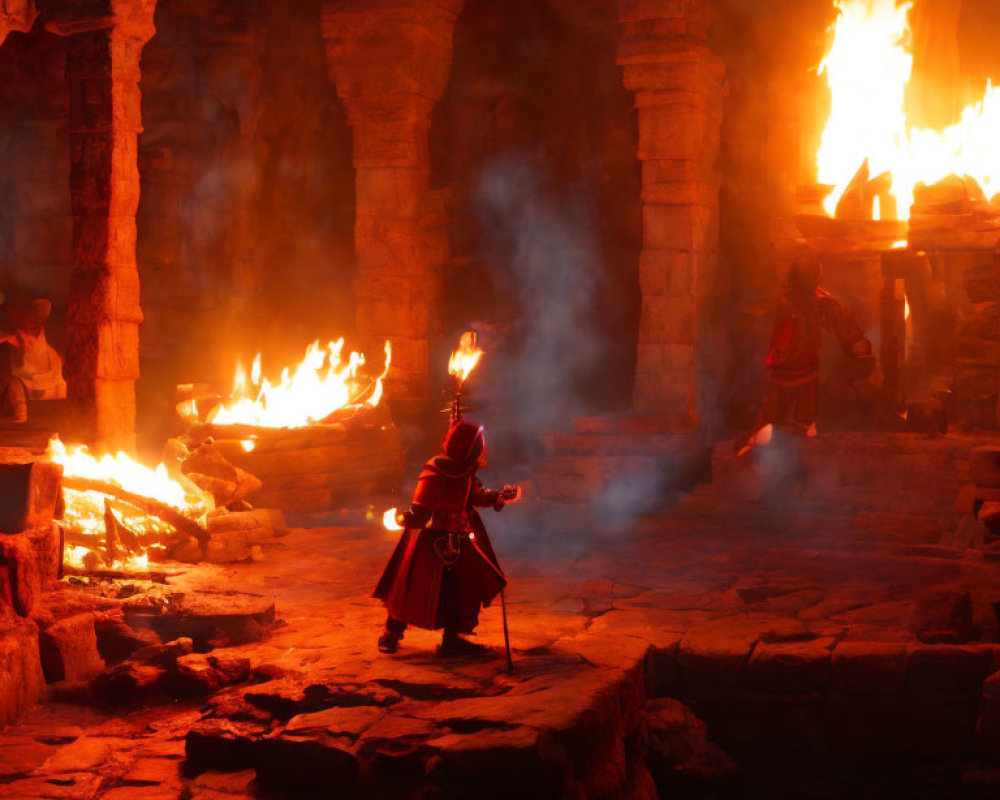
511 494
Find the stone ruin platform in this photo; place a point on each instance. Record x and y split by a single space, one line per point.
815 607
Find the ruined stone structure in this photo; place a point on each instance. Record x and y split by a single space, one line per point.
677 82
389 100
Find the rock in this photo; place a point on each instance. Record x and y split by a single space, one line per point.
210 619
29 563
306 763
946 669
988 722
21 678
199 673
790 667
126 683
117 641
984 465
942 608
868 668
336 721
83 755
224 744
680 757
29 491
68 650
164 655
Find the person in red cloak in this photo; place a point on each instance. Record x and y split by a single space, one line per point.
444 569
805 310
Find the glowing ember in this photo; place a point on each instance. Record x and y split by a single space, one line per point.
84 518
465 359
389 520
320 385
868 68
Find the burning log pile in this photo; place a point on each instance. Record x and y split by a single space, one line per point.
318 438
118 513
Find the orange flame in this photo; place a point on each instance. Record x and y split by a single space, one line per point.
322 383
465 359
868 68
389 520
85 509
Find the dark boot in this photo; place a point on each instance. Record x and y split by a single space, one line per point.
388 642
454 645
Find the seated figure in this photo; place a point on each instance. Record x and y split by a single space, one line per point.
29 366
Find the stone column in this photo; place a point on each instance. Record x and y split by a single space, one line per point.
678 84
102 351
16 15
390 61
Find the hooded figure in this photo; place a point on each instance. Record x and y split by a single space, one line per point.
805 310
444 569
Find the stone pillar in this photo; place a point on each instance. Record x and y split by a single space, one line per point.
16 15
678 84
390 61
102 350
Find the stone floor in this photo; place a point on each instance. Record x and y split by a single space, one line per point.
790 604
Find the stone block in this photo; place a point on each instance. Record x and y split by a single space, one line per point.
668 227
984 465
868 668
790 667
29 491
682 193
942 610
103 242
671 391
68 650
988 722
667 319
29 562
102 295
714 656
939 669
21 678
676 131
393 190
668 273
106 351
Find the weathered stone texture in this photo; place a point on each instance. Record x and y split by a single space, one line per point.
678 86
102 73
21 679
390 63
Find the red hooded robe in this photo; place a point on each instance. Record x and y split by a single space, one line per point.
418 587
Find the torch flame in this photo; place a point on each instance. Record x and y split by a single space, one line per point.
868 68
465 359
389 520
322 383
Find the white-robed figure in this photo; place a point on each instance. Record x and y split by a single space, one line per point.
32 368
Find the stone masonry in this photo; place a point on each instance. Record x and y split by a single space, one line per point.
390 62
16 15
678 85
102 73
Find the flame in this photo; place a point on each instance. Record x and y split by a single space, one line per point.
248 445
84 513
465 359
322 383
389 520
906 307
868 68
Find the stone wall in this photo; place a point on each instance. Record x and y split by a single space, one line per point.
36 223
533 149
245 223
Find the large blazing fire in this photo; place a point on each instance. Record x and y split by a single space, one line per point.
85 518
868 69
323 383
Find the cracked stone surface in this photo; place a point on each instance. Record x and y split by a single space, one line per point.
781 627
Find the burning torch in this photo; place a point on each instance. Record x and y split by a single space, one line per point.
460 367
